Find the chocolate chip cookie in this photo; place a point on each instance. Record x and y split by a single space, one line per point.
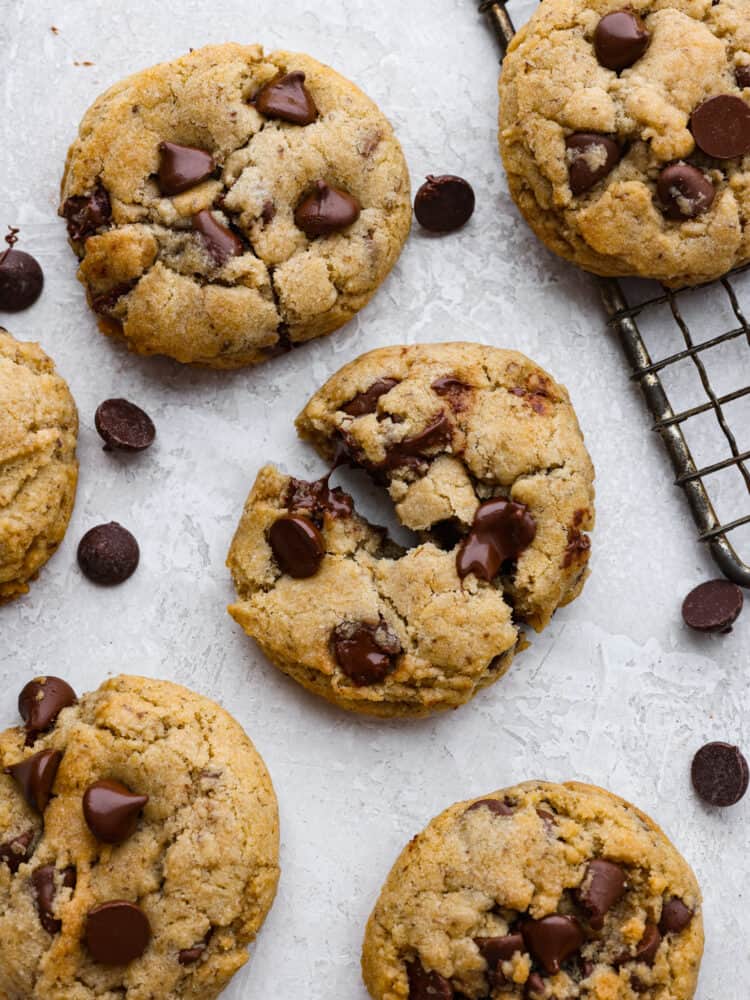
538 892
482 455
625 132
38 466
138 844
231 204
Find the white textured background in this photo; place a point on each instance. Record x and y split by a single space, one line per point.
616 692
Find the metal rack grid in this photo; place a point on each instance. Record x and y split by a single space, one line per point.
625 310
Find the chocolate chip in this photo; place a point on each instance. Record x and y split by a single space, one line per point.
35 777
326 210
452 389
117 932
41 701
646 948
289 99
675 916
496 806
188 956
87 214
367 401
43 880
220 242
108 554
590 157
742 76
620 39
438 432
269 213
317 499
721 126
111 810
182 167
106 302
495 950
21 277
720 774
684 191
534 989
713 606
365 652
553 939
501 530
297 545
123 425
603 885
17 852
425 985
444 204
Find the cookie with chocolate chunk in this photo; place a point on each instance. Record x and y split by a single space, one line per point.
537 892
138 843
232 204
481 453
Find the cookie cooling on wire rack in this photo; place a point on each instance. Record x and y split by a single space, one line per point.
625 133
231 204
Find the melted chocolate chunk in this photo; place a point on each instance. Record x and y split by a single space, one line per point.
367 401
316 499
288 99
220 242
444 204
534 989
496 806
189 956
366 653
603 886
111 811
620 39
452 389
675 916
182 167
35 777
720 774
17 852
108 554
297 545
721 126
684 191
117 932
646 948
502 530
124 426
578 543
425 985
495 950
21 277
590 157
713 606
41 701
411 450
87 214
326 210
105 303
552 940
43 880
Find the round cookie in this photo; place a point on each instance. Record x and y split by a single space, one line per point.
537 892
484 460
38 466
105 894
625 133
231 204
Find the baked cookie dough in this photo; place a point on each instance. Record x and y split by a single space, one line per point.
483 457
231 204
538 892
38 466
138 844
625 133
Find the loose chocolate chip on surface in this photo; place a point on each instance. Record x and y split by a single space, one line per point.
713 606
17 852
287 98
742 76
318 498
35 777
367 401
117 932
603 885
425 985
553 939
684 191
721 126
111 810
720 774
620 39
501 530
108 554
675 916
496 806
43 880
220 242
297 545
444 204
366 653
182 167
590 157
21 277
123 425
86 214
411 450
41 701
326 210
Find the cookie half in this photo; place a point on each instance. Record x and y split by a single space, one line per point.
625 133
231 204
537 892
138 844
483 457
38 466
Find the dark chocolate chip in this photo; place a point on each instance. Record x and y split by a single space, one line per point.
425 985
742 76
106 301
182 167
452 389
123 425
438 432
117 932
41 701
721 126
297 545
603 886
17 852
534 989
366 653
495 950
220 242
444 204
87 214
316 499
675 916
684 191
35 777
496 806
590 157
620 39
188 956
553 939
108 554
501 530
646 948
720 774
367 401
21 277
287 98
713 606
578 545
111 810
43 880
326 210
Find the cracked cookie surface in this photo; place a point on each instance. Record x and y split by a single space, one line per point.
38 466
537 892
220 273
200 860
485 462
619 169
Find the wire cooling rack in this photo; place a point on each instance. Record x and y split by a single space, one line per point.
719 481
